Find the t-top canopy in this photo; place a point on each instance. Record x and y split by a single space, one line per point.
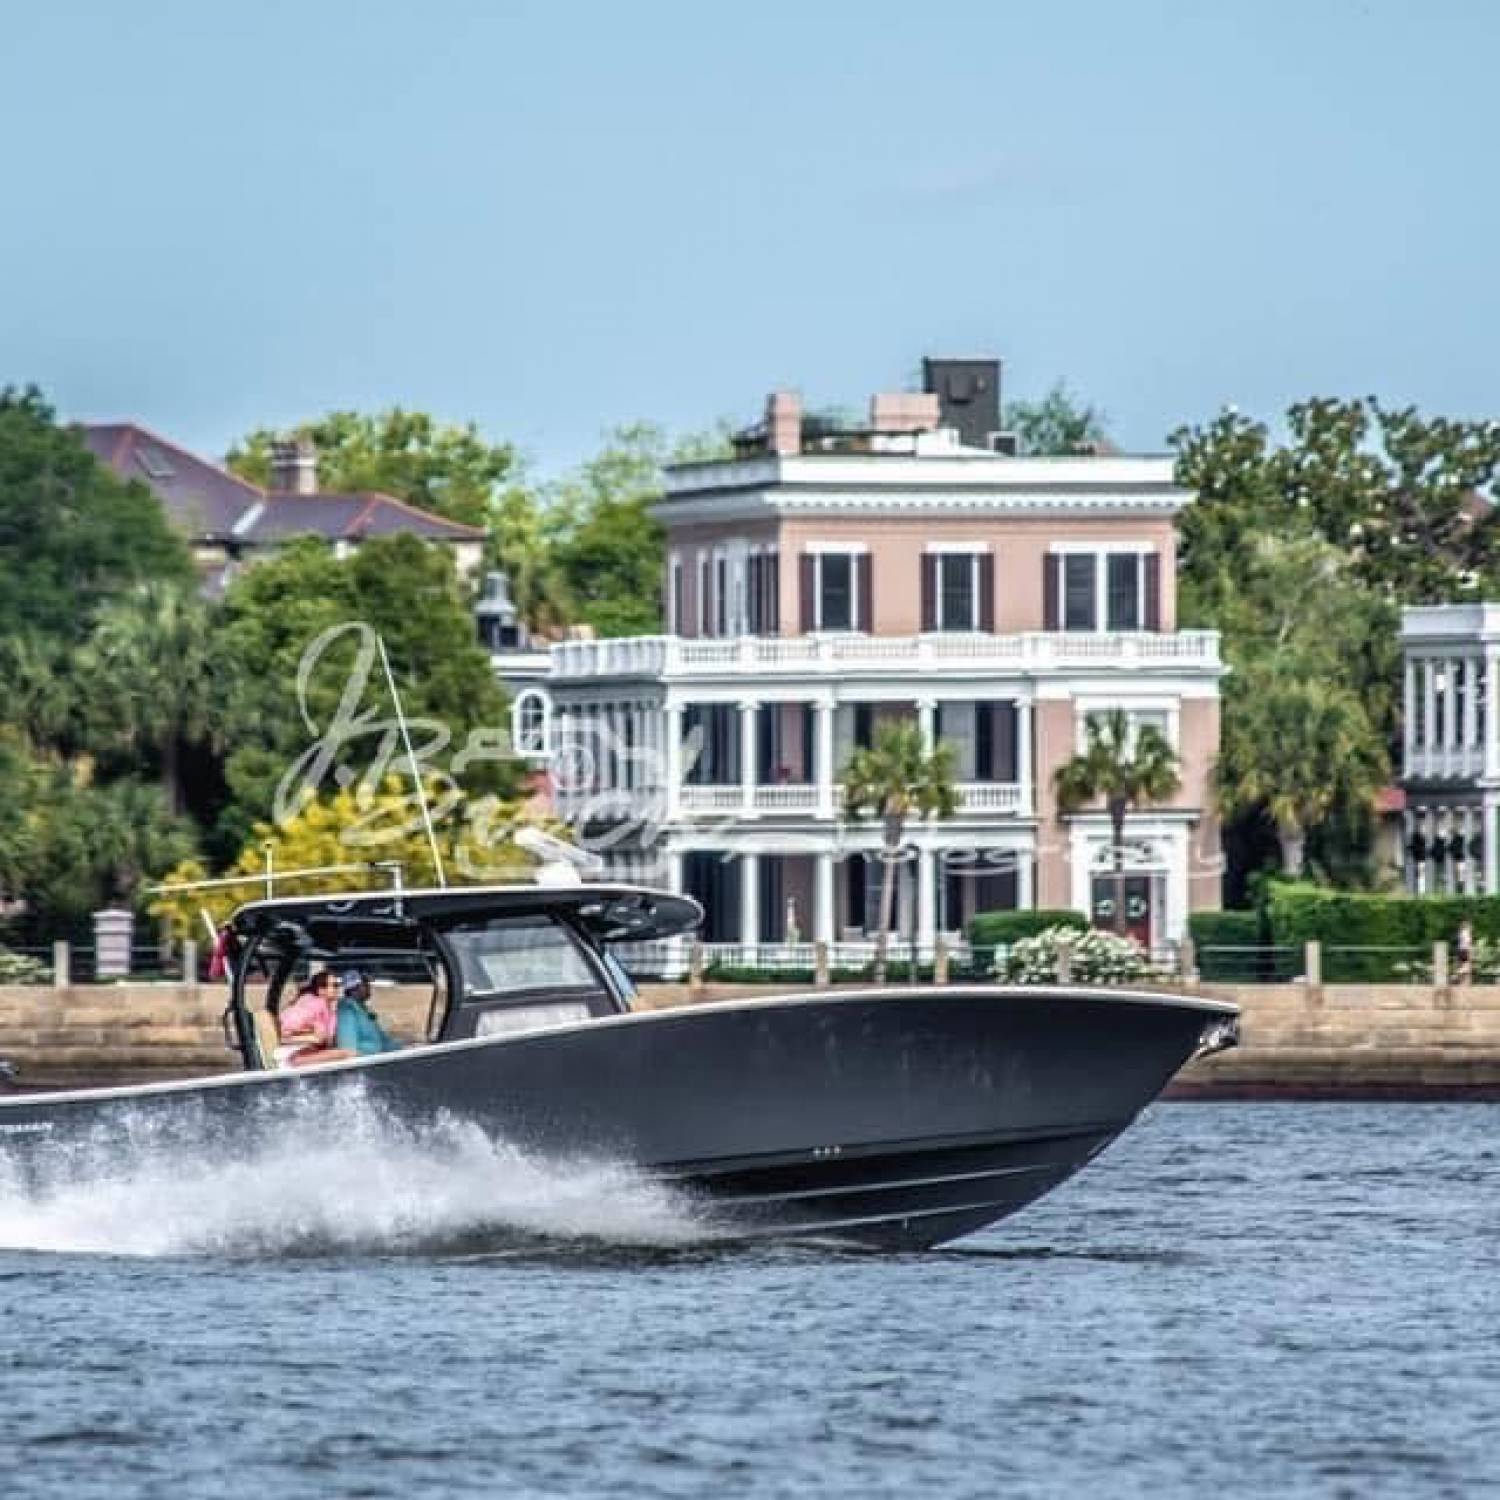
611 913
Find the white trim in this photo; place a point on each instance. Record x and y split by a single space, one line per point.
1064 547
944 547
819 549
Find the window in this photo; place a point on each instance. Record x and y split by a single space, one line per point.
530 722
958 591
704 576
1124 601
1162 720
762 602
519 953
1079 569
1104 587
721 595
677 621
835 591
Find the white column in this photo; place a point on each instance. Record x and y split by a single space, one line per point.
824 926
1466 829
1491 845
1450 716
747 754
1429 717
823 768
1409 720
1026 879
749 899
671 760
926 900
1470 736
1024 713
1177 898
927 722
1491 712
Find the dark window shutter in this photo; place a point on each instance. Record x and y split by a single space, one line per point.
773 594
1051 568
809 584
1006 720
866 618
984 743
753 596
986 591
929 590
1152 620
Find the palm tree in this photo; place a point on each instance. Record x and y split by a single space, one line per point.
150 658
1125 775
897 778
1298 748
39 695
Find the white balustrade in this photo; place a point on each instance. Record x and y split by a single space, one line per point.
673 656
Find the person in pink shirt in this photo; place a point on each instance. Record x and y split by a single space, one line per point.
307 1026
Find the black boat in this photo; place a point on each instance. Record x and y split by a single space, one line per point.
892 1117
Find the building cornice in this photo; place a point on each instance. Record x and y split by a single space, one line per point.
872 484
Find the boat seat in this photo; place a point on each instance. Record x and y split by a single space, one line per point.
267 1037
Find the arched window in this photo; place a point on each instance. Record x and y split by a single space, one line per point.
531 723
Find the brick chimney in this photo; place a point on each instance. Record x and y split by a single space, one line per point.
294 466
784 422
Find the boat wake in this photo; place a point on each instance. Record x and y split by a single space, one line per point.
331 1178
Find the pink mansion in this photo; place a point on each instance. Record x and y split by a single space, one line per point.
829 578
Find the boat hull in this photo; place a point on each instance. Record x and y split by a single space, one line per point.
894 1119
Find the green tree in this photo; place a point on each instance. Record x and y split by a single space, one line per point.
523 544
1399 493
609 547
150 670
42 700
79 845
1126 772
894 780
71 534
405 590
444 467
1058 424
1299 748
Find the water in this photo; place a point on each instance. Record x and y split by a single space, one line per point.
1246 1299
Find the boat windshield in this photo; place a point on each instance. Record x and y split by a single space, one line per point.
508 954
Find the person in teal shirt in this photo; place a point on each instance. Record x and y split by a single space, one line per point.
358 1029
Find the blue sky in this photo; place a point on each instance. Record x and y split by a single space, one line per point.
550 218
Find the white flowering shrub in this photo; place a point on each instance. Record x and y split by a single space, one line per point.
1097 958
17 968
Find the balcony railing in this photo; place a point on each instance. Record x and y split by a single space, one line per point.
663 656
1436 763
802 797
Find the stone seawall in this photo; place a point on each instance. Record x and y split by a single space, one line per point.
1334 1039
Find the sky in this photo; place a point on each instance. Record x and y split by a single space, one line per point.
551 218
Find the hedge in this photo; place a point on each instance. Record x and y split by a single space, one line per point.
997 929
1405 927
1229 945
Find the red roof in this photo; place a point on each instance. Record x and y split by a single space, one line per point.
209 503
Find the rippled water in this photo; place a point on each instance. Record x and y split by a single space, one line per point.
1253 1299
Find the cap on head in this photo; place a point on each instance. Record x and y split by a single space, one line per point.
353 980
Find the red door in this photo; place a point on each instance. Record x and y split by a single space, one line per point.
1137 906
